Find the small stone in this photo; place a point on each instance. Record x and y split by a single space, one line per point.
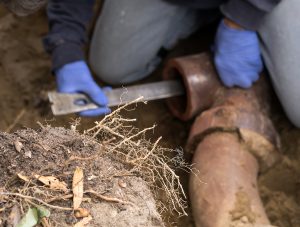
28 154
18 145
91 177
70 220
122 184
244 219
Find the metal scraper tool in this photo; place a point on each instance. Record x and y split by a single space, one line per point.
63 103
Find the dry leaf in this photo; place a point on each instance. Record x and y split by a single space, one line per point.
83 222
14 217
22 177
81 213
31 218
77 187
53 183
18 145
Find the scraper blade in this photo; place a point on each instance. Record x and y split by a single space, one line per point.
63 103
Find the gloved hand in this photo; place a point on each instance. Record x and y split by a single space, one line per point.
237 56
76 77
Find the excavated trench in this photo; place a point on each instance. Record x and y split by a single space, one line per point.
26 77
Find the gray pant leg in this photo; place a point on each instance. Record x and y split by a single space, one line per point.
129 34
280 34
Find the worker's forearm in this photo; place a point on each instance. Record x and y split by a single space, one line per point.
68 20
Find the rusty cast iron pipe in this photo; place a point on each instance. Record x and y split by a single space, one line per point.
225 189
200 82
232 140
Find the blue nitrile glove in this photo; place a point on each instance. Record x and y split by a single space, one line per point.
237 56
76 77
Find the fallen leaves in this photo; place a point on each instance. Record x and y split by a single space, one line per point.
53 183
50 181
77 187
39 214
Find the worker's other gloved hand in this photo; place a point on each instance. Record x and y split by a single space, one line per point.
237 56
76 77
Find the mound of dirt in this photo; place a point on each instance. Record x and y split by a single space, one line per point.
112 195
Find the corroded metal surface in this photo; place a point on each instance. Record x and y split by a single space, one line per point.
233 139
200 80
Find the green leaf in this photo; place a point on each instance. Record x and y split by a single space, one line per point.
30 219
33 216
43 212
